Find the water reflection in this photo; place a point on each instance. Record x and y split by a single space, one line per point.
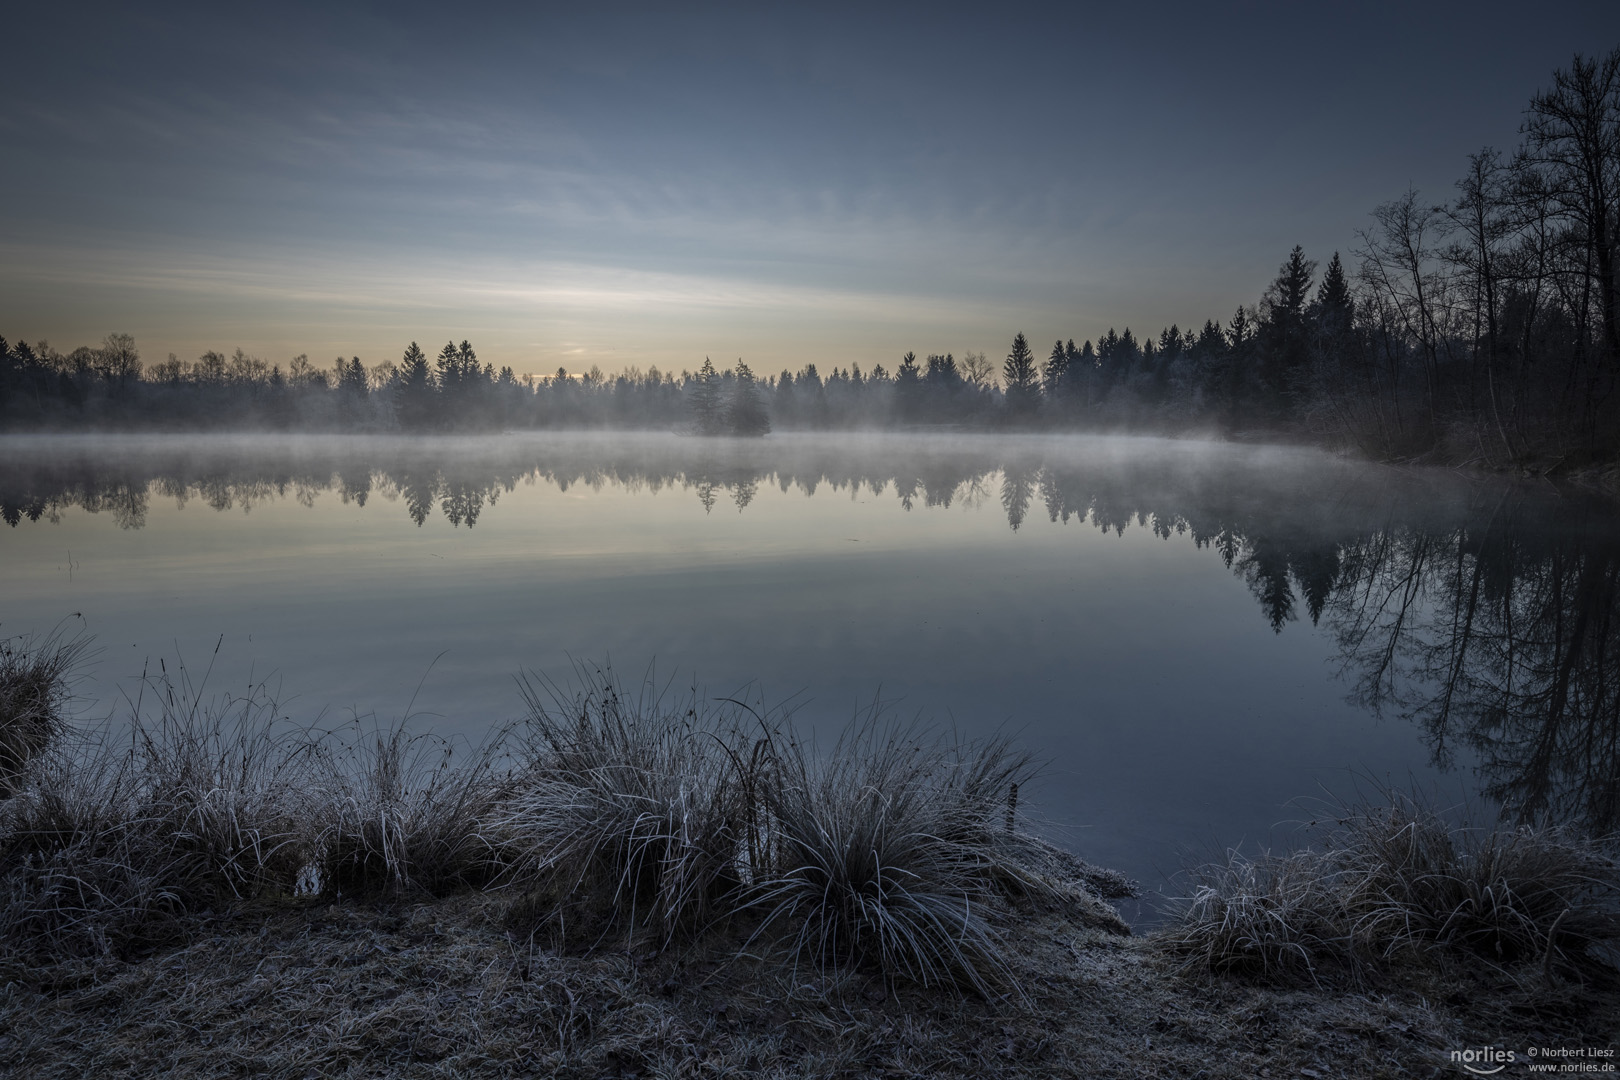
1500 632
1485 613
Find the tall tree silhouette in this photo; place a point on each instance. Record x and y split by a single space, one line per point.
745 412
413 394
704 400
1019 378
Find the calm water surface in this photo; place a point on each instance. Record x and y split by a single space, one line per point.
1194 636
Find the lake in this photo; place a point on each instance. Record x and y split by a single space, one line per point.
1199 639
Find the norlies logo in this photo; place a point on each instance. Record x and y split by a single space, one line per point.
1484 1061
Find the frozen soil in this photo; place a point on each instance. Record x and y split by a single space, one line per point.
451 988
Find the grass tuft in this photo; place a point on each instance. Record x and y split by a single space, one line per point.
889 852
34 690
395 814
603 813
1400 879
108 848
629 805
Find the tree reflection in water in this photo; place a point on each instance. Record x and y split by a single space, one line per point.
1484 612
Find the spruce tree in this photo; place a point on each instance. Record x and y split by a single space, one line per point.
449 370
1334 304
745 413
908 387
1057 365
1020 380
413 395
704 400
1282 341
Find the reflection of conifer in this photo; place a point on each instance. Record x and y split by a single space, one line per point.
745 412
706 494
1318 573
1265 569
462 503
1017 489
419 490
743 492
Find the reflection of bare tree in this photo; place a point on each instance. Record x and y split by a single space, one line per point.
1500 634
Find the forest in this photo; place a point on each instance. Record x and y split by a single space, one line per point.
1482 328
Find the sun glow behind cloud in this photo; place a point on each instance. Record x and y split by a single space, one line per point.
582 314
788 186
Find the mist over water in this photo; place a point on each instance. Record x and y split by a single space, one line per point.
1194 635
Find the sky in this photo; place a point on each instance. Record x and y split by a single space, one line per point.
608 184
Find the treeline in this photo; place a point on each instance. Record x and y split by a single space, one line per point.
1484 328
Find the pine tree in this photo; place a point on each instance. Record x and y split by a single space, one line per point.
1057 365
745 413
704 399
1333 301
908 387
1282 340
1019 378
467 361
449 370
1080 368
413 396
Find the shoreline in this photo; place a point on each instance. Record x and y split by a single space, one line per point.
448 987
415 961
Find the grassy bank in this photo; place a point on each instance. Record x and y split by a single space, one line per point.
645 885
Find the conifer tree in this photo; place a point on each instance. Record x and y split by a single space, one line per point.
704 399
1019 378
908 387
745 413
1333 300
1057 365
413 396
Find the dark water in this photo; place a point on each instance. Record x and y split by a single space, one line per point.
1196 637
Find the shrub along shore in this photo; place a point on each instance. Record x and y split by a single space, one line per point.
639 883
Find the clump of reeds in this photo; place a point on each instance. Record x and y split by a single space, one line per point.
889 852
34 690
1272 916
397 814
601 812
1401 879
109 846
627 804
